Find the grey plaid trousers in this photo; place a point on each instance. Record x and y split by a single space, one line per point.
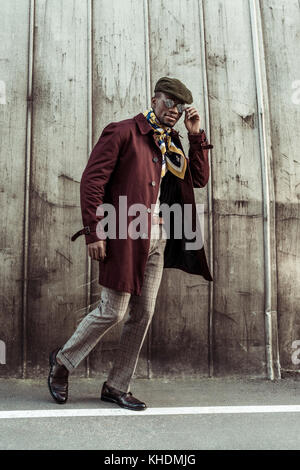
111 310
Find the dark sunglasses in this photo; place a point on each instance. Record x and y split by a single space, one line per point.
180 107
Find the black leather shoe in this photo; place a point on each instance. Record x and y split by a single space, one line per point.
123 399
58 379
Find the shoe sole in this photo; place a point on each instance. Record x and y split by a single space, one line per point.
54 398
112 400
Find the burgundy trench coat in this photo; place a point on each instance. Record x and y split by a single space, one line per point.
126 160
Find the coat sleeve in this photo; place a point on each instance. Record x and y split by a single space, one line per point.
198 159
96 175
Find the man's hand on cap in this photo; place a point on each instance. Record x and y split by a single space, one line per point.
192 120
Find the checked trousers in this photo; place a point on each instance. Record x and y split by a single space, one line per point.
111 310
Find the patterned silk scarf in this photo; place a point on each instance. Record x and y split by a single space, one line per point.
173 158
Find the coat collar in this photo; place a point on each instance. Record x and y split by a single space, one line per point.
145 127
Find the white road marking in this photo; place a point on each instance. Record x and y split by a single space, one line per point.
193 410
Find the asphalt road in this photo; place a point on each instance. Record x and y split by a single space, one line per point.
191 414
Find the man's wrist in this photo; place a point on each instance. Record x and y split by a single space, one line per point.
196 133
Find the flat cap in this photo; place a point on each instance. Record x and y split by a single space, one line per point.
174 87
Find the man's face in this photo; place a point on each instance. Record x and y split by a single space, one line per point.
166 116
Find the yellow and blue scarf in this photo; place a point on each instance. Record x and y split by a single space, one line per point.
173 158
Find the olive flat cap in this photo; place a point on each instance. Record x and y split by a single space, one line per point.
174 87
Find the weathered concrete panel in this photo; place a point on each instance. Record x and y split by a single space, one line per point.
13 105
59 148
237 194
281 21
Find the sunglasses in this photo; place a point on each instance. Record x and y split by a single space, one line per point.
180 107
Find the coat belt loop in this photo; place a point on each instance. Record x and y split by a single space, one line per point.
84 231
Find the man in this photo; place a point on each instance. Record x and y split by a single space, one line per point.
142 160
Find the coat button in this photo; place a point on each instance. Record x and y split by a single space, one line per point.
149 210
155 159
153 183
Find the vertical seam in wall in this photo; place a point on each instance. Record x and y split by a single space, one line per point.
272 172
27 184
209 186
264 142
148 99
147 52
89 143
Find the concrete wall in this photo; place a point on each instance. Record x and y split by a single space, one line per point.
69 68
